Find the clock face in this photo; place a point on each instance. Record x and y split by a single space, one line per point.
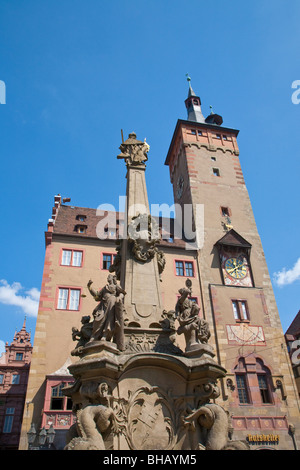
236 268
179 187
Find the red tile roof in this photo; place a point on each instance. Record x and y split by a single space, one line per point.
66 223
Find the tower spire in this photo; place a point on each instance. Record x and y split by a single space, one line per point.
193 104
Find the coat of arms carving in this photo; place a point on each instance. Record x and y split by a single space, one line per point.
151 420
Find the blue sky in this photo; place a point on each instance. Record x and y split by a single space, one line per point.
77 72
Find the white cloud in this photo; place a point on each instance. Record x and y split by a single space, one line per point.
2 347
28 302
284 277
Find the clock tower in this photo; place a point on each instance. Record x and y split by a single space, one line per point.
237 298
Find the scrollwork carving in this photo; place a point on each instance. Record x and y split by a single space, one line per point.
95 420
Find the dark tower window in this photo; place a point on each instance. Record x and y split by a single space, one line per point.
242 389
225 211
264 389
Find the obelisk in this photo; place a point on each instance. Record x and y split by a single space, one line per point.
139 254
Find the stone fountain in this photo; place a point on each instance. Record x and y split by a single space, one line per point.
134 388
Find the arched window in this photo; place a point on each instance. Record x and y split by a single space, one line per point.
264 382
242 382
253 381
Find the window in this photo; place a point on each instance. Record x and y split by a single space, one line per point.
193 132
15 380
240 310
225 211
1 378
189 269
80 228
214 159
261 379
218 136
8 421
263 388
81 217
216 171
71 258
19 357
179 268
242 389
58 400
68 299
107 260
224 137
184 268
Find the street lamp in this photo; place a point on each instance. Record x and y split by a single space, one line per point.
31 435
51 435
43 438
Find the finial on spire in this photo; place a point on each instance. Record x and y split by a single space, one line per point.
188 77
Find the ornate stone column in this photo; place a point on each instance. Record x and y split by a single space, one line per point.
139 266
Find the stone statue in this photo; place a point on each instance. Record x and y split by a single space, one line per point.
95 420
116 265
108 315
82 336
213 421
134 151
161 261
195 329
143 234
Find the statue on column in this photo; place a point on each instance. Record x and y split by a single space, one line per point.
109 313
195 329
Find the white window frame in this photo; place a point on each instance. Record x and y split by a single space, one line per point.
68 298
71 257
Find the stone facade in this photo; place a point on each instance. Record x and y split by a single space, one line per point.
14 371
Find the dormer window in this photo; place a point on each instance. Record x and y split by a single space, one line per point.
81 217
80 228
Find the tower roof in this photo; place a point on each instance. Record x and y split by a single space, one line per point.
193 106
191 91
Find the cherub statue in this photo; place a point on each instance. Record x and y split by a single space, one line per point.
83 335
